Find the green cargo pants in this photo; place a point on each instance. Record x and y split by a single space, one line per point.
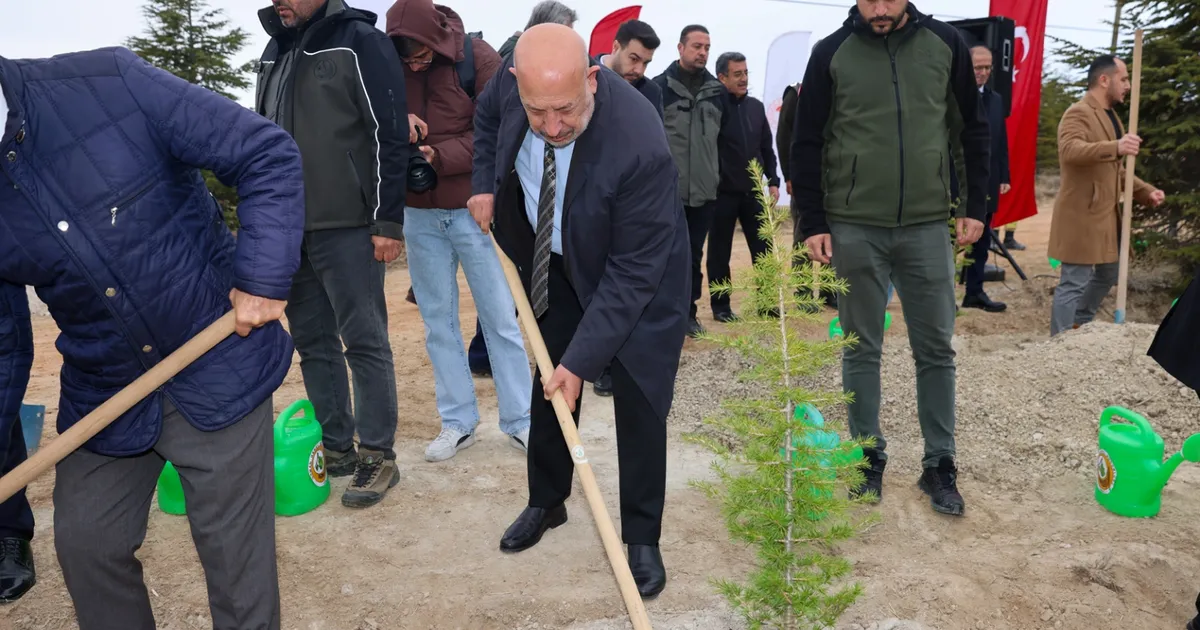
918 260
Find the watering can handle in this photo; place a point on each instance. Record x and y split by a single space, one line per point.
1127 415
288 414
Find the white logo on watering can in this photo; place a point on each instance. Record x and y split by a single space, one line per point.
578 454
316 465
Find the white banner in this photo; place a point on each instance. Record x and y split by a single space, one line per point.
786 60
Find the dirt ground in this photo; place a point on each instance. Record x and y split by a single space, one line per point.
1033 551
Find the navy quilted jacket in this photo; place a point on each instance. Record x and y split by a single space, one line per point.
104 212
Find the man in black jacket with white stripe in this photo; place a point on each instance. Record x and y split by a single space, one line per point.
327 70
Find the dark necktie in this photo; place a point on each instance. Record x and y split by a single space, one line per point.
544 234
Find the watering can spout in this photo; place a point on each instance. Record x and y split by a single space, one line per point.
1190 452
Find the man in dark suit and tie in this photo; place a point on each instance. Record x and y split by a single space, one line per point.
998 183
587 207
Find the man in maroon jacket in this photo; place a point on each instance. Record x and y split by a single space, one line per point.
440 232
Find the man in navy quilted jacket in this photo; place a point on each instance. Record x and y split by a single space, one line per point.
103 210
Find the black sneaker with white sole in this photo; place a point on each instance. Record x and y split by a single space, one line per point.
941 484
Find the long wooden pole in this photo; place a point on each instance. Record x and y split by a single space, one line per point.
1127 214
608 533
66 443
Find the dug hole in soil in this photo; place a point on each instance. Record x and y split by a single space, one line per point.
1034 549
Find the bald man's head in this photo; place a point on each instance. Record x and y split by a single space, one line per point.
557 85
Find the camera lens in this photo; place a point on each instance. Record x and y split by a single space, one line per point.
421 176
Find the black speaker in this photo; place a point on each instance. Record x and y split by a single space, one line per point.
998 34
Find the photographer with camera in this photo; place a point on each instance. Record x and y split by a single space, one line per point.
444 69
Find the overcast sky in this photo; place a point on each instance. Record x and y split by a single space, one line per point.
43 28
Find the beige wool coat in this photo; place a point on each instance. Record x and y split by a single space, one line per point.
1087 213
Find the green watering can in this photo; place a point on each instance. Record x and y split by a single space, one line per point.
301 482
835 326
1130 471
816 436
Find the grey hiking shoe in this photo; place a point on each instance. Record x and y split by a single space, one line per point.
373 477
340 463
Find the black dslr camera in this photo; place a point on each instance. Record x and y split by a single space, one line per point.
421 176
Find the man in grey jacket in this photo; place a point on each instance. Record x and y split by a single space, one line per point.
335 82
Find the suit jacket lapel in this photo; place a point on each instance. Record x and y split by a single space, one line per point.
587 146
1101 116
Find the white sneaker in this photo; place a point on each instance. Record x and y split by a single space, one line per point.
447 444
520 441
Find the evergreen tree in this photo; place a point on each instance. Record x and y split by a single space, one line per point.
1168 120
1058 93
194 42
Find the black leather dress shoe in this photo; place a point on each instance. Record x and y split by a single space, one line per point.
646 564
527 530
982 301
16 569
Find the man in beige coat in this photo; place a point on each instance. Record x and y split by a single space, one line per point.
1085 231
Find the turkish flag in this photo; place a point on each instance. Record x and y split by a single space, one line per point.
1029 39
606 29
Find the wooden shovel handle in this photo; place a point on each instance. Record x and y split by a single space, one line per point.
91 424
608 533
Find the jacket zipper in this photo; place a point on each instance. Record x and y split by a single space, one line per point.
392 106
130 201
899 127
941 174
853 180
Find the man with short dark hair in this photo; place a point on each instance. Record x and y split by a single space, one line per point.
334 82
700 121
887 100
736 200
1085 232
633 50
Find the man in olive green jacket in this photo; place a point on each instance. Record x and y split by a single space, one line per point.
886 100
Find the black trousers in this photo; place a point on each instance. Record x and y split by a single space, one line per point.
731 208
699 220
975 271
16 517
641 435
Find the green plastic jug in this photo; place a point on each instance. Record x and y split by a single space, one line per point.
170 491
816 436
301 483
835 325
1130 472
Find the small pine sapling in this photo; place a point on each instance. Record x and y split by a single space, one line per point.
781 479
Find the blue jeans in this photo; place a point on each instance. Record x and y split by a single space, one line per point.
437 241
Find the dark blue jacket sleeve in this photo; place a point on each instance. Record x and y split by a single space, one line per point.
767 146
244 150
973 140
488 113
16 354
653 93
733 138
644 216
387 109
1002 143
813 108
